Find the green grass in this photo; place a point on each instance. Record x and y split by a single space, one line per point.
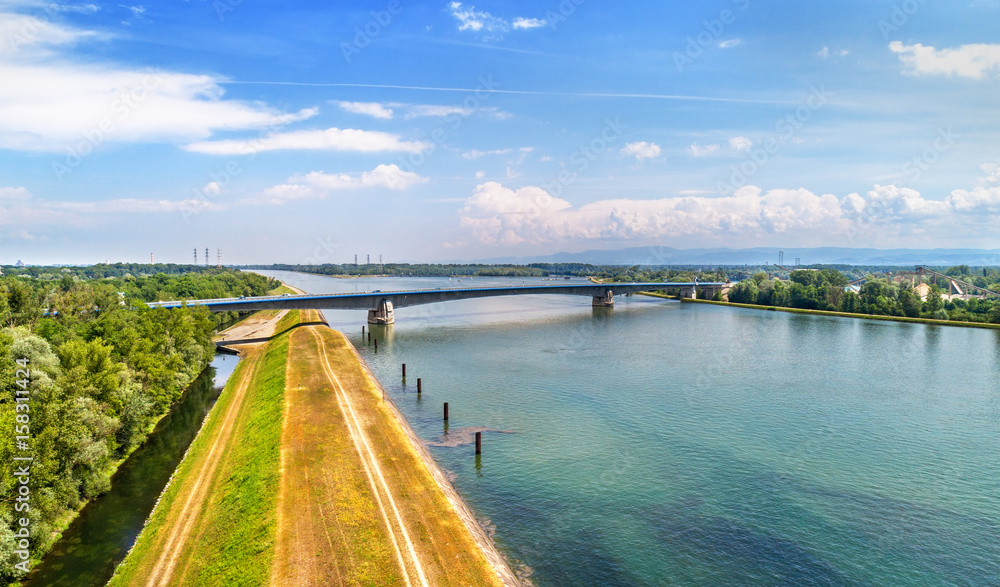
850 315
232 543
281 289
236 547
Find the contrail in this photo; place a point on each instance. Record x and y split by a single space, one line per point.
517 92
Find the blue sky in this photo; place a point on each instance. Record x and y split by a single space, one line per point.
434 131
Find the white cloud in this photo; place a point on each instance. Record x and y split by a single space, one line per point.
435 111
476 154
824 52
495 214
29 36
212 188
741 144
54 107
729 44
528 23
373 109
470 19
331 139
18 194
58 103
641 150
480 174
972 61
703 150
318 185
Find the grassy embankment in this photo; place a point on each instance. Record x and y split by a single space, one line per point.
301 475
847 314
215 522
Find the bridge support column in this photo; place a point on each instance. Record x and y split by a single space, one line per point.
689 293
383 314
605 301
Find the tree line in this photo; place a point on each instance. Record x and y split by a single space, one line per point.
104 368
827 290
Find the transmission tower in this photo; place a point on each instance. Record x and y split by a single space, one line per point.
206 256
196 255
218 257
781 258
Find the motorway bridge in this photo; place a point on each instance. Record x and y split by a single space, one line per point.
380 304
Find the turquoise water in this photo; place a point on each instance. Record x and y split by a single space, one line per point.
661 443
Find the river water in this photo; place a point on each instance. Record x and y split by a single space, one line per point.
99 538
661 443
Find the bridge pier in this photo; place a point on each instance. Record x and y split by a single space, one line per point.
383 314
605 301
689 293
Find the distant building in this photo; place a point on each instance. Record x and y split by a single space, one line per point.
19 263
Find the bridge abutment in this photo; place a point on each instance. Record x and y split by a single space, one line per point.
383 314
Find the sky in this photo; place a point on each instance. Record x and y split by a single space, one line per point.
310 132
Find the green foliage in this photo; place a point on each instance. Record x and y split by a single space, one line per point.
825 290
102 373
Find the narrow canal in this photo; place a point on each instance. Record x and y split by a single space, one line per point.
100 537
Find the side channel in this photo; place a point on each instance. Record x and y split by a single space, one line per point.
106 528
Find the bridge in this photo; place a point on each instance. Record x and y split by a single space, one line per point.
380 304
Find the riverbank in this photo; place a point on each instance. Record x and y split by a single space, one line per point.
984 325
302 475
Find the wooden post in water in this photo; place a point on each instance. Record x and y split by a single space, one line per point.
362 331
369 336
376 344
419 389
446 411
404 370
479 443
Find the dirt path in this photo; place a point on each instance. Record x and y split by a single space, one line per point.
185 519
398 531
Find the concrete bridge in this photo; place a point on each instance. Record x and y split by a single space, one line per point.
380 304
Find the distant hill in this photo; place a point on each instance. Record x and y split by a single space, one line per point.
761 255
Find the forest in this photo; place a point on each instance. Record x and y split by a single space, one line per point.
99 369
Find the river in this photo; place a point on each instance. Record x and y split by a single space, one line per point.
660 443
106 528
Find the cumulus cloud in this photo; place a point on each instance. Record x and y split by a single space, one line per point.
18 194
973 61
703 150
495 214
318 185
331 139
641 150
373 109
741 144
729 44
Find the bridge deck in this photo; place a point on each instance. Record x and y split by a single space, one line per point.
400 299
